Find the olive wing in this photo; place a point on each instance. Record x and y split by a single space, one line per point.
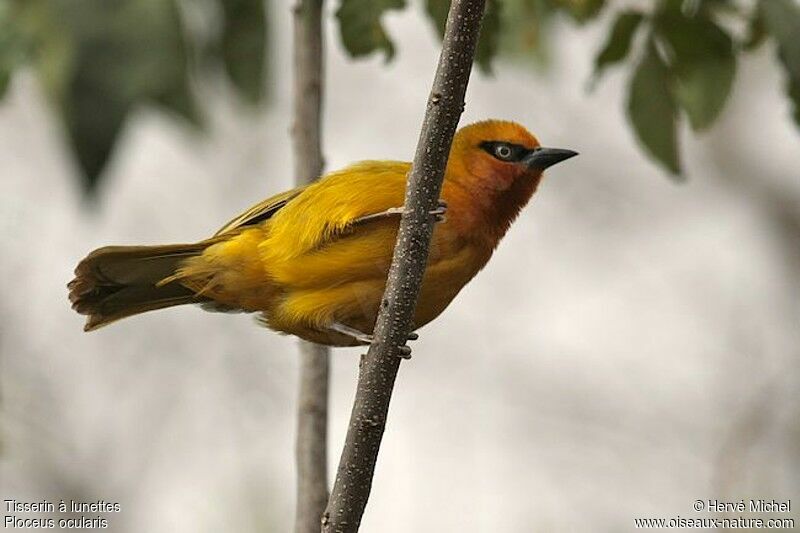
260 212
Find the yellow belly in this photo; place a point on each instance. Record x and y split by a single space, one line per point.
326 287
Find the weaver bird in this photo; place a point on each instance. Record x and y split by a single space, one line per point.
313 261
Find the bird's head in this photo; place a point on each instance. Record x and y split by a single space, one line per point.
499 164
494 155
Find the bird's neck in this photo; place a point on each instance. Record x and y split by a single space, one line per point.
508 203
489 211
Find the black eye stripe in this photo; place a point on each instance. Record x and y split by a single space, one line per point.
516 151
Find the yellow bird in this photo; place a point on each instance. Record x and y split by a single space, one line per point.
313 261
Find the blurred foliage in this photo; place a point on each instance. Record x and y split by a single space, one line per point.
702 64
652 110
12 49
100 59
525 25
619 40
361 28
490 30
698 54
689 66
580 10
243 46
782 21
682 53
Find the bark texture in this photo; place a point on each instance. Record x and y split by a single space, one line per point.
380 365
312 416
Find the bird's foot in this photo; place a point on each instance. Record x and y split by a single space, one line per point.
365 338
438 213
353 333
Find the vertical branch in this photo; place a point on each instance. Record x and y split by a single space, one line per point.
312 438
380 365
312 415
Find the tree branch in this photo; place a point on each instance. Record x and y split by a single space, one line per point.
380 365
312 414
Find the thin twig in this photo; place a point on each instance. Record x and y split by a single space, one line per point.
312 413
380 365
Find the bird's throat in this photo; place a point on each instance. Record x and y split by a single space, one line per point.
501 207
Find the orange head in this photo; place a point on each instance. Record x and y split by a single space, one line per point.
499 164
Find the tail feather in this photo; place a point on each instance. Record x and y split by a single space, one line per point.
119 281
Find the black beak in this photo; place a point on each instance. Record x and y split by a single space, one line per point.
541 158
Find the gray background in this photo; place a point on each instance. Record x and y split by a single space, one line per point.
631 347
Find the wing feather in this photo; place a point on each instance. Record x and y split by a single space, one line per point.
261 211
327 208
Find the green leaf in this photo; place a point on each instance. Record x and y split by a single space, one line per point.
721 9
490 29
13 47
361 29
619 41
794 94
94 114
51 46
756 32
438 9
525 25
7 41
581 10
5 78
99 60
243 46
782 20
703 62
490 33
652 110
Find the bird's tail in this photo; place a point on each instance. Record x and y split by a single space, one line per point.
115 282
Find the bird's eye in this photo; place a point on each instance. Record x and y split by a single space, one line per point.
502 151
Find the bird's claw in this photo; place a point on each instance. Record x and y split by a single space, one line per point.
439 213
365 338
404 352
